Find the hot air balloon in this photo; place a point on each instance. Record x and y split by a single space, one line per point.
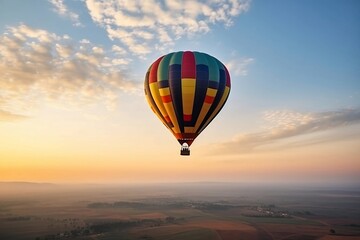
186 90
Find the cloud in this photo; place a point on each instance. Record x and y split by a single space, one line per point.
287 124
8 116
137 25
38 66
61 9
239 66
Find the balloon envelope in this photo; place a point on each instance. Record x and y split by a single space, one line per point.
186 90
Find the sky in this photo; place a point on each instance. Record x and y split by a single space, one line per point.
72 104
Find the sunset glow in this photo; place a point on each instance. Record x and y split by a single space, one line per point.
72 104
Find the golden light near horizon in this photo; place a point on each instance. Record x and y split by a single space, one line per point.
49 156
72 104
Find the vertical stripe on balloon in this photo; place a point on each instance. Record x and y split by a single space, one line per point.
188 69
188 84
222 99
151 101
154 91
219 94
216 110
174 68
188 95
202 79
165 92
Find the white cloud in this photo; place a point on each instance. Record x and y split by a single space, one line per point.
118 50
239 66
38 66
289 123
286 120
84 41
286 124
61 9
140 24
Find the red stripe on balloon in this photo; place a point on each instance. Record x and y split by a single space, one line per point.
228 83
167 119
188 66
178 135
153 71
187 118
166 99
209 99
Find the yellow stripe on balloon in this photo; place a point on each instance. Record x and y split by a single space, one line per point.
188 87
217 109
154 90
165 98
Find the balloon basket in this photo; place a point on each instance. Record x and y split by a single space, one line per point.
185 152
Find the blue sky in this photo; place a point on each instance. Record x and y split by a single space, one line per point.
295 69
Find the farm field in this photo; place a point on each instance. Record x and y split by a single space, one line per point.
208 211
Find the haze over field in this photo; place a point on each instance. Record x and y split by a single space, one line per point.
72 107
178 211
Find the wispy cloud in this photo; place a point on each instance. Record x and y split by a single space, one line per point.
139 25
8 116
61 9
239 66
37 65
285 124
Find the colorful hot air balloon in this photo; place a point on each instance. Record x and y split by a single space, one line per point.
186 90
